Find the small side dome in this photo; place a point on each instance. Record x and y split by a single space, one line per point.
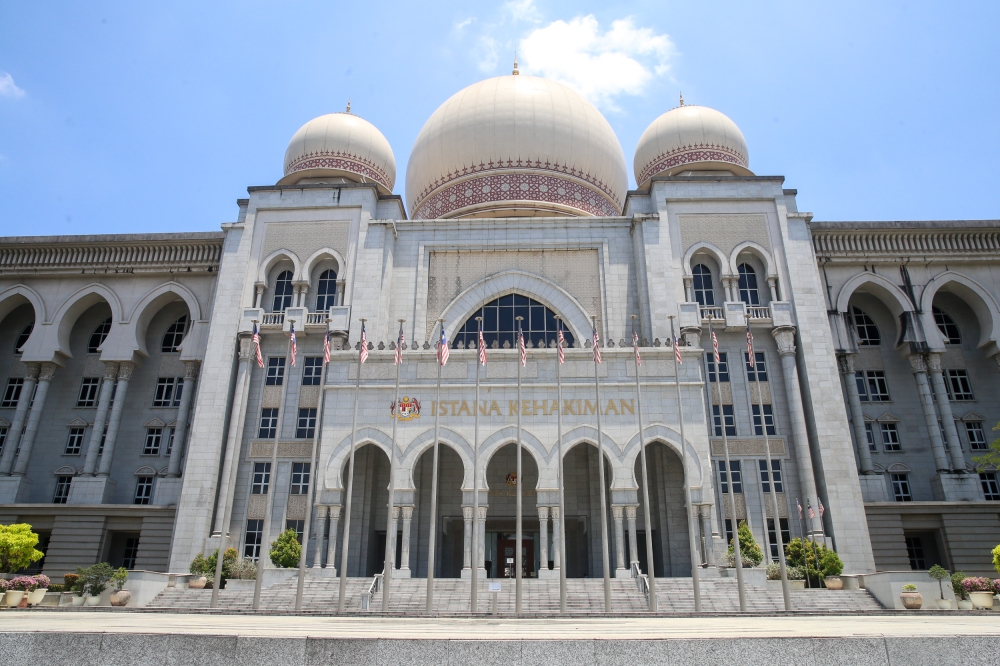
690 138
340 145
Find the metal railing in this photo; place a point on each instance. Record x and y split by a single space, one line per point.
758 312
712 312
373 589
272 319
641 579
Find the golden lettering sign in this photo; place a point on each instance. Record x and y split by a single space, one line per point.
576 407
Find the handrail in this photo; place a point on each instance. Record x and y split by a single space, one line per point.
641 579
272 319
758 312
316 318
373 589
712 312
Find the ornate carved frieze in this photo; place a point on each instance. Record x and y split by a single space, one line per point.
153 253
749 447
845 241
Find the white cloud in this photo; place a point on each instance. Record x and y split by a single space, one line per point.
7 86
486 53
464 24
523 10
600 66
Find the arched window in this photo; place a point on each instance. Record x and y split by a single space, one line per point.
282 292
175 333
23 337
499 325
97 337
748 285
326 291
947 326
703 291
868 335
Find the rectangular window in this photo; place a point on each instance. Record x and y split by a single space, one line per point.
300 478
776 471
268 423
872 386
991 489
870 435
3 438
275 371
768 420
901 487
727 411
62 489
890 437
958 385
261 478
729 531
88 392
75 442
104 436
131 552
168 392
977 437
915 551
12 392
772 538
298 525
723 368
143 490
306 426
312 370
760 372
737 476
152 446
255 534
170 443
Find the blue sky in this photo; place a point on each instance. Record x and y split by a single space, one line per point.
143 117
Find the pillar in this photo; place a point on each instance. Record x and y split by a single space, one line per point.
556 539
467 539
318 538
947 416
616 512
846 364
705 513
183 414
392 535
23 402
341 288
234 441
125 370
482 536
689 288
101 418
772 285
633 544
919 365
331 544
34 417
543 530
258 294
404 556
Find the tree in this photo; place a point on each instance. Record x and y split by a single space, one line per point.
750 552
991 458
286 549
818 560
17 547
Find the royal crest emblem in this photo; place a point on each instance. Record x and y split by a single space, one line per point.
408 409
512 479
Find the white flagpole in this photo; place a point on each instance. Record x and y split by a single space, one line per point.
650 568
390 550
600 476
432 541
518 558
562 478
474 606
342 599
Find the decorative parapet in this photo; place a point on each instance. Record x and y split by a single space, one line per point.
893 240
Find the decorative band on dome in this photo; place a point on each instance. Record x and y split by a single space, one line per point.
690 155
500 187
341 161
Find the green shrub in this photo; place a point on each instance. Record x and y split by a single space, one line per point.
57 587
938 573
909 587
243 569
996 558
17 547
956 583
816 559
94 579
750 552
199 565
286 550
119 578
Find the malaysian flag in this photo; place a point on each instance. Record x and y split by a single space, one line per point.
597 346
399 347
715 348
442 351
822 509
326 348
560 342
750 354
256 346
799 504
809 509
291 339
635 345
520 345
482 346
677 351
364 344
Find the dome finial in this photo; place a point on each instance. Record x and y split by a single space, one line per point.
515 72
349 106
682 99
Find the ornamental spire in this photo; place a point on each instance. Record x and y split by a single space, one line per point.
349 106
515 72
682 101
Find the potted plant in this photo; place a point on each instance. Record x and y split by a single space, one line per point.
817 560
980 591
910 598
242 574
198 569
24 584
956 587
120 597
11 597
74 585
95 580
938 573
41 587
17 548
750 552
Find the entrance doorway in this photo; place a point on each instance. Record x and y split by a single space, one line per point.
506 548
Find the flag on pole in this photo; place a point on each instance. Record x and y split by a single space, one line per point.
635 345
597 346
715 348
520 346
822 509
560 342
799 504
291 338
326 348
677 351
364 344
442 351
482 346
256 346
399 347
809 509
750 354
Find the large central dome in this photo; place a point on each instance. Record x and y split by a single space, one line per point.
512 146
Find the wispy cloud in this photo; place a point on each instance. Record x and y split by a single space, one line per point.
461 25
8 88
486 53
522 10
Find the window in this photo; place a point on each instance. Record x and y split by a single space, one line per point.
890 436
723 368
499 325
737 476
312 371
255 533
760 372
75 442
3 438
729 531
748 285
23 337
152 446
261 478
775 471
104 436
768 420
870 435
977 438
88 392
872 386
727 411
98 336
168 391
326 291
275 371
947 326
958 385
175 333
991 489
704 293
12 392
131 552
298 525
143 490
170 443
864 326
772 538
300 478
915 551
268 423
306 426
901 487
282 292
62 489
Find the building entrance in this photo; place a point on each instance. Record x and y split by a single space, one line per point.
506 548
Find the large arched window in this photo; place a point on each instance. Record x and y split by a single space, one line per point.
947 326
23 337
175 333
748 285
98 336
703 291
326 291
868 335
282 292
499 325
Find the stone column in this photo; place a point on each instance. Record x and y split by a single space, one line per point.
234 441
846 364
556 539
341 288
689 288
331 544
727 286
785 337
467 538
404 556
772 285
395 522
125 370
183 413
34 418
258 293
318 538
482 536
616 512
947 416
101 418
633 544
543 532
919 365
14 432
705 513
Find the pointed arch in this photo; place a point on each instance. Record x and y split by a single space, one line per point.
19 295
425 441
659 432
881 288
758 251
71 309
278 255
975 296
508 435
713 251
336 463
152 303
315 258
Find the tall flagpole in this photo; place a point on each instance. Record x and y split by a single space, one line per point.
390 539
600 473
362 355
442 358
474 606
560 356
650 569
518 556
